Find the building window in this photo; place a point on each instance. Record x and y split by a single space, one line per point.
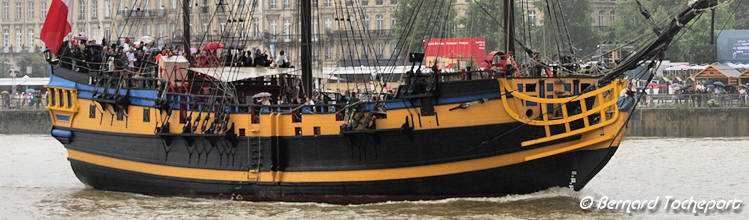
19 38
327 3
532 17
378 21
365 22
613 17
378 2
364 2
286 29
5 11
272 4
393 2
173 28
174 4
30 10
6 38
328 25
273 28
44 11
286 3
380 49
18 11
94 9
107 9
146 115
315 26
107 32
31 40
81 9
600 18
255 27
147 30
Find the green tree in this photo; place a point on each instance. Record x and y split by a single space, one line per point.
577 14
427 18
692 44
483 19
477 23
4 67
39 67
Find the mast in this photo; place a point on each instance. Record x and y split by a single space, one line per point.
306 22
186 28
508 12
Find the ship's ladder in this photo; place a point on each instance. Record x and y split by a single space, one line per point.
603 111
256 156
262 160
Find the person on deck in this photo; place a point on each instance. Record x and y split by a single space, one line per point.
626 99
259 60
282 61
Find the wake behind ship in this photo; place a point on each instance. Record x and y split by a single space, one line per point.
182 127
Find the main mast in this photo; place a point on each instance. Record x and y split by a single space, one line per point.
508 28
306 22
186 28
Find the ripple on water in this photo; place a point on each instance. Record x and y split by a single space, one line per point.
707 168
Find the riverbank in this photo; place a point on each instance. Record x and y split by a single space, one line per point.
689 122
24 122
652 122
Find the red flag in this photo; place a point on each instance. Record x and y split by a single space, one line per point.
57 24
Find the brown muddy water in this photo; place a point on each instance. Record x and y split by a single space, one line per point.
36 183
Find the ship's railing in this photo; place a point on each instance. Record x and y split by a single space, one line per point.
84 66
602 101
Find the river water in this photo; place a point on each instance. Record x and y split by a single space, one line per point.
36 182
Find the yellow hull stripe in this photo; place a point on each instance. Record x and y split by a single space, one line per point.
339 176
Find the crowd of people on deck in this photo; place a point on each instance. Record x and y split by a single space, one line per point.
249 59
143 57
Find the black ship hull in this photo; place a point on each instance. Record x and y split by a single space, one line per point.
522 178
572 169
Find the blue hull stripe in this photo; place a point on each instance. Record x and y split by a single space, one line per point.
134 94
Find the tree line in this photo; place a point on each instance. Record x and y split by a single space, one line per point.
547 35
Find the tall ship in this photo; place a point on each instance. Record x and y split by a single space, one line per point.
197 126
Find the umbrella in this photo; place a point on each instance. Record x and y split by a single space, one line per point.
710 86
261 95
80 38
215 45
193 50
719 84
146 39
30 90
652 84
4 92
154 50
